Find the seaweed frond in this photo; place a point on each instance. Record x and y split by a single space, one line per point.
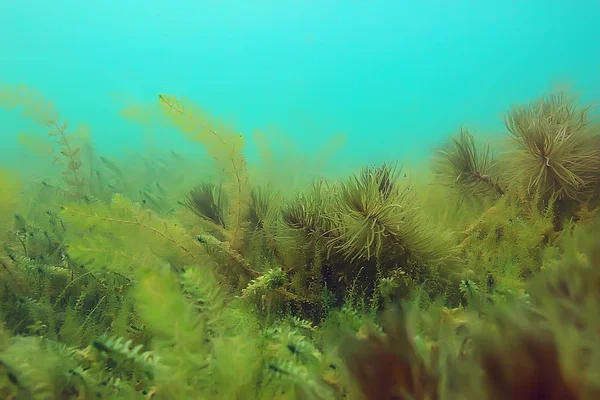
525 364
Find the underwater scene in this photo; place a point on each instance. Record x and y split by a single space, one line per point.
362 200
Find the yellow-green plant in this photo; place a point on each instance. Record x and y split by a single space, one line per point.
226 147
43 113
127 296
8 195
123 236
283 166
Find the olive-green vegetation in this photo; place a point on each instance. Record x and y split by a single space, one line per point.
175 277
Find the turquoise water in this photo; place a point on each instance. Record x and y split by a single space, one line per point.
395 77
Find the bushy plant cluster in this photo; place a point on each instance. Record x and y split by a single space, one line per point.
168 277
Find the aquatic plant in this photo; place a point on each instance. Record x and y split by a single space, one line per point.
43 113
9 195
371 215
556 149
167 281
207 201
226 147
265 206
468 168
377 217
308 211
123 236
537 350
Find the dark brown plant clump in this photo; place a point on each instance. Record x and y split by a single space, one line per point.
526 365
207 201
388 367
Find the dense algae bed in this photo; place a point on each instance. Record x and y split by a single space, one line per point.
155 279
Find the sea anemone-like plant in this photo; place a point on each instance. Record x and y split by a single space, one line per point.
557 149
377 217
463 166
308 212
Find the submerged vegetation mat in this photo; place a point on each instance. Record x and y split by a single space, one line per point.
174 277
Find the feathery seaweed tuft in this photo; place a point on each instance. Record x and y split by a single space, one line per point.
557 149
208 202
379 219
467 168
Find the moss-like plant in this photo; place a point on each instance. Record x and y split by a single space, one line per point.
400 371
124 236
